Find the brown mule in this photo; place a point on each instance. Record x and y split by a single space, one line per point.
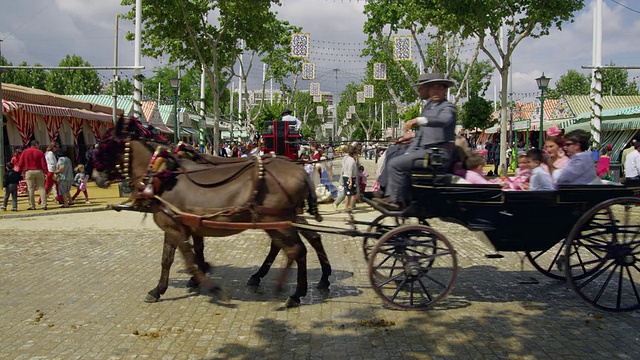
194 194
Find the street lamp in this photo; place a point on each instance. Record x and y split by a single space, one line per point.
175 86
543 84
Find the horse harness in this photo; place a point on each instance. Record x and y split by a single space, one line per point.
208 172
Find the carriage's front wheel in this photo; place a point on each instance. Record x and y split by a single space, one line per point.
603 255
380 226
412 267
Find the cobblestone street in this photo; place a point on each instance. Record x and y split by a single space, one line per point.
73 286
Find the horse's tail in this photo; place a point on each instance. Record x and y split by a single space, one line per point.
312 199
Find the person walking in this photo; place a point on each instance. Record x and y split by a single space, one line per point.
10 183
52 160
80 181
33 165
65 178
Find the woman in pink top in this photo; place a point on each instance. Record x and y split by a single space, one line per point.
553 147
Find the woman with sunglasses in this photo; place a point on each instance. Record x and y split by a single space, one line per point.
580 169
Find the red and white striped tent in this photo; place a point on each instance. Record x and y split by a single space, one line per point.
28 117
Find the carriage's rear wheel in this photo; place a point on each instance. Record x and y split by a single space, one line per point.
603 255
412 267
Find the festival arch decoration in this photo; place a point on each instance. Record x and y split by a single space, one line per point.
300 45
402 48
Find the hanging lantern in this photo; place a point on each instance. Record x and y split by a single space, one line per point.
314 89
368 91
402 48
352 109
300 45
320 110
379 71
317 98
360 97
308 71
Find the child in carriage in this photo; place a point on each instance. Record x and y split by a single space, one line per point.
540 179
523 173
475 164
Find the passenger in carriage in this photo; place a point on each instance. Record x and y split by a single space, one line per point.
475 164
540 179
580 169
436 129
521 180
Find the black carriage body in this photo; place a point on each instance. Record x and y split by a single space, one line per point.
281 138
514 220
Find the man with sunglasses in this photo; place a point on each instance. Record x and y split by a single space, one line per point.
580 169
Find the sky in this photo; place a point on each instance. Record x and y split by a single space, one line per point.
45 31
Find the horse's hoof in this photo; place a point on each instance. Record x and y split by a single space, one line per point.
151 299
207 268
192 283
323 284
292 302
253 281
324 292
221 294
319 217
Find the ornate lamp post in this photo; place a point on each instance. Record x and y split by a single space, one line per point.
175 86
543 84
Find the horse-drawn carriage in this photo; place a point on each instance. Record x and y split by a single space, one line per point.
586 234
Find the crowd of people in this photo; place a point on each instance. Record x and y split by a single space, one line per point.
48 172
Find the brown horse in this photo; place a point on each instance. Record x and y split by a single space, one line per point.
213 197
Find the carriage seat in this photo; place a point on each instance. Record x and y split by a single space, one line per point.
433 169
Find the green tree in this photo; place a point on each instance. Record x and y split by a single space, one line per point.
28 77
616 82
520 18
125 87
70 82
476 113
571 83
182 29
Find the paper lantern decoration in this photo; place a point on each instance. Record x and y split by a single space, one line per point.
314 89
348 116
352 109
402 48
300 45
320 110
317 98
308 71
368 91
360 97
345 121
379 71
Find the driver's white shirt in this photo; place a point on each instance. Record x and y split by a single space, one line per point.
293 118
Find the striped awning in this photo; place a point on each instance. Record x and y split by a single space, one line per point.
8 106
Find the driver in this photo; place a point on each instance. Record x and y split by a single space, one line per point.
436 128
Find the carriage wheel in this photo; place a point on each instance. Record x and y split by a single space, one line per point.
603 255
549 262
380 226
412 267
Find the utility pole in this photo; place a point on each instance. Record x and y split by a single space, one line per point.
115 74
1 126
335 107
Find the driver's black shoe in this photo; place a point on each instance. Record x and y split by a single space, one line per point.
388 203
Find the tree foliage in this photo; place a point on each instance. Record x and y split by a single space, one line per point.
69 82
205 33
614 82
476 113
521 19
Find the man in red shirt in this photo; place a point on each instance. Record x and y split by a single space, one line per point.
34 167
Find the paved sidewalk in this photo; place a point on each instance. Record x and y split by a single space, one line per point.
99 198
